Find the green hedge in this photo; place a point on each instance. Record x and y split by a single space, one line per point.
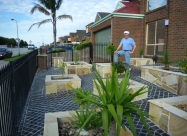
83 46
58 50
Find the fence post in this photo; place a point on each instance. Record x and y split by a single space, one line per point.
91 53
72 52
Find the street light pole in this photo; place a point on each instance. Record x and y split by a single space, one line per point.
17 36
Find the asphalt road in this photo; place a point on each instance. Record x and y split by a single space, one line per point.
15 52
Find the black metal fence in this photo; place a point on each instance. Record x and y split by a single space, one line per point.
96 53
15 82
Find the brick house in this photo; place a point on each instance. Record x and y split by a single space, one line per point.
87 36
155 25
80 34
109 29
166 21
64 39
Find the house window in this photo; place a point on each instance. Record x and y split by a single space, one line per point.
153 4
155 38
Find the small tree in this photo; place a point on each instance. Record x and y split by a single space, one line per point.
141 52
110 49
76 58
62 67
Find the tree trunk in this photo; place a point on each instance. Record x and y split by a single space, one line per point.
54 28
112 129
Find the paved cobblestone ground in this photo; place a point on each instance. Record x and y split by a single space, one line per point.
32 122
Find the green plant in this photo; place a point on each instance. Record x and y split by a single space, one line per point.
80 119
62 67
119 66
183 65
49 9
58 50
141 51
76 58
81 101
114 100
83 45
110 49
166 58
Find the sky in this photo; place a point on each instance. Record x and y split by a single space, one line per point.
83 12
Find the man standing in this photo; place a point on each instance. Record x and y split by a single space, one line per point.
128 46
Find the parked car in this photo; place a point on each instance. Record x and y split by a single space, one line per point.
31 46
5 52
48 51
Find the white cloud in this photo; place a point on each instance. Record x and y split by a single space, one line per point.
83 12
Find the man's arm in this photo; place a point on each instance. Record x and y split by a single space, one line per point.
118 48
133 49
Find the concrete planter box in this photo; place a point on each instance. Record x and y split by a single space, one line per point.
169 118
105 69
171 81
134 85
141 61
60 85
51 124
57 61
81 69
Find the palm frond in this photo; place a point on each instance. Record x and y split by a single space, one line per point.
58 4
45 3
131 123
39 8
65 17
40 23
44 21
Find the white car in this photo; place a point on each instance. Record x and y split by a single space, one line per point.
31 46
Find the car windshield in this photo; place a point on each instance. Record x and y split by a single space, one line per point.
2 50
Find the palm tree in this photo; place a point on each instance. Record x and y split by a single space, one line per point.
49 8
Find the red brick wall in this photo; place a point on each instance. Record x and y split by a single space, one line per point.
177 42
176 31
133 25
42 62
118 26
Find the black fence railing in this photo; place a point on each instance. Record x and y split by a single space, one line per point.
15 82
96 53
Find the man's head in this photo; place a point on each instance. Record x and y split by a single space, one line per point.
126 34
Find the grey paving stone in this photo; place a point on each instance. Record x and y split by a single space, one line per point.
38 103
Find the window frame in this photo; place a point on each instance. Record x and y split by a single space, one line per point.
155 44
154 8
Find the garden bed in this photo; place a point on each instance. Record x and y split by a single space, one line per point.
54 122
57 61
141 61
105 69
60 85
169 118
80 69
169 80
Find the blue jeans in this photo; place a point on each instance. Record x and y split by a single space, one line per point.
127 56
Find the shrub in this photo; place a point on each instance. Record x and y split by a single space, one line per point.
110 49
119 66
58 50
83 46
183 64
141 51
166 58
